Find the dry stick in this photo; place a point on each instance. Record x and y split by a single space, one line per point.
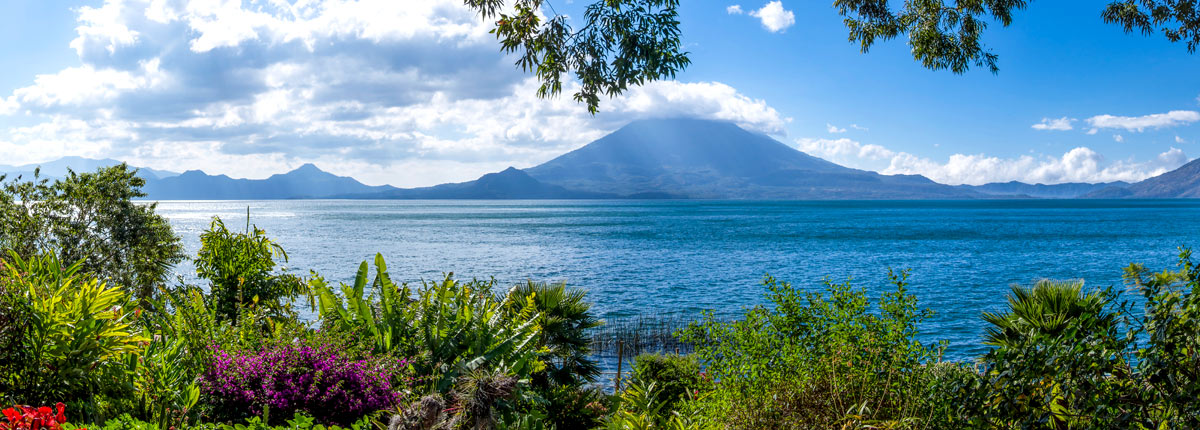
620 351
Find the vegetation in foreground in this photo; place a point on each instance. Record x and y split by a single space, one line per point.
93 335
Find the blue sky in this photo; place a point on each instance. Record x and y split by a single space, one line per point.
416 93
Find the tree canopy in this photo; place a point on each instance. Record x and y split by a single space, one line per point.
625 43
90 218
621 43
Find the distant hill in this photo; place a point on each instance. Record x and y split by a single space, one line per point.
1181 183
648 159
508 184
1067 190
307 181
57 169
705 159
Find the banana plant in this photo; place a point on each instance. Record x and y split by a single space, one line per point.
385 315
449 328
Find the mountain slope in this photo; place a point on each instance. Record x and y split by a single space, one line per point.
307 181
711 159
58 168
1181 183
1067 190
508 184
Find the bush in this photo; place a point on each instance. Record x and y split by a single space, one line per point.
91 218
676 377
1169 361
641 407
450 328
74 338
284 380
1061 359
575 407
817 360
240 268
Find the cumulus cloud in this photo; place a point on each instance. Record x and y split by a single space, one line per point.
774 17
843 151
1141 123
1179 140
737 10
408 93
1080 164
833 128
1118 138
1059 124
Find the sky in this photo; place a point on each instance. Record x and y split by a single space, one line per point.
417 92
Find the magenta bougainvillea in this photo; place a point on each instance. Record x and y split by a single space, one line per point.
319 381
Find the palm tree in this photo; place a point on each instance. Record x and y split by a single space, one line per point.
1047 308
564 316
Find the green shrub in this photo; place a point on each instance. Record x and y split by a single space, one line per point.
817 360
91 218
676 377
937 394
450 329
641 407
381 313
569 407
1062 359
75 336
1169 383
241 271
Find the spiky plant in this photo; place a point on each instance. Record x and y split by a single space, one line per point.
565 317
1046 308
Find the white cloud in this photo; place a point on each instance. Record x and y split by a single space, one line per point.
1179 140
1141 123
856 127
833 128
734 9
87 86
1118 138
774 17
1081 164
1060 124
843 151
1077 165
408 93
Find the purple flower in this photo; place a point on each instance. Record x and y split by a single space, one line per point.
319 381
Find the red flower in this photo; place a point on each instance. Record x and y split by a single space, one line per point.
12 415
30 418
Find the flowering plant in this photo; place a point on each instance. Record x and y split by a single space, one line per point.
319 381
31 418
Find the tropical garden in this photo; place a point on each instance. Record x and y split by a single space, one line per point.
97 332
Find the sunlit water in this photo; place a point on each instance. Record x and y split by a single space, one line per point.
678 257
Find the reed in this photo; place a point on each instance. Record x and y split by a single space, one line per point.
639 334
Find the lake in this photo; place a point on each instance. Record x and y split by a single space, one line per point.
679 257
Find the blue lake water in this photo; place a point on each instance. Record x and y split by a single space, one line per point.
678 257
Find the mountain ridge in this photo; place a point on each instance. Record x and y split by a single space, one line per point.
672 158
704 159
1183 182
1065 190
